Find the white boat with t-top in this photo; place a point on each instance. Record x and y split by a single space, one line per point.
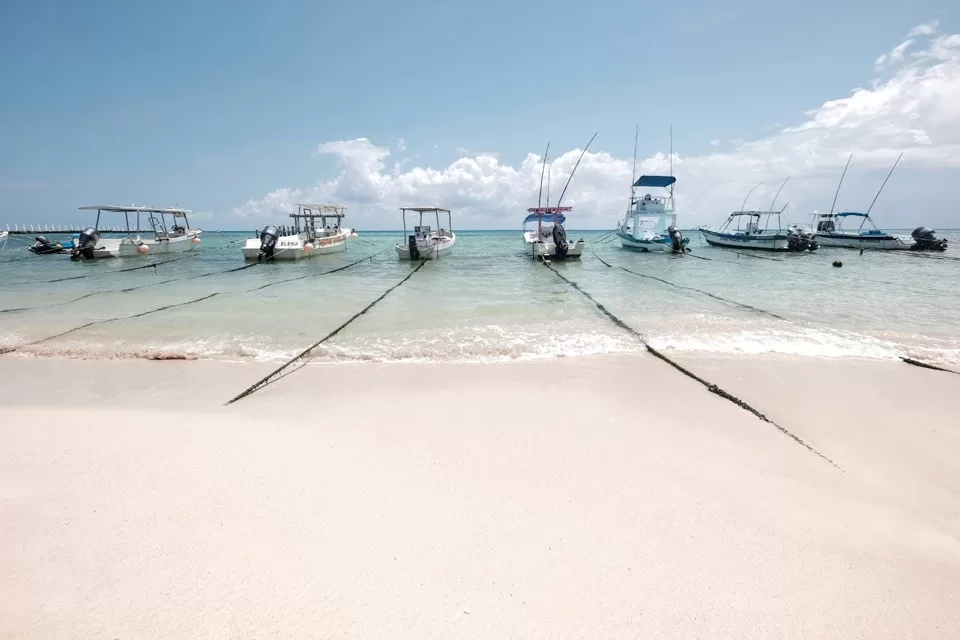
317 229
549 238
650 222
179 237
425 243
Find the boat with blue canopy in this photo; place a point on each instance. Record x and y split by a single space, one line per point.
650 222
549 239
830 232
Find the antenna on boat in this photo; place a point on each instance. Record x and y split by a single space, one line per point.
633 179
575 169
744 205
778 195
671 159
549 171
841 182
885 182
542 169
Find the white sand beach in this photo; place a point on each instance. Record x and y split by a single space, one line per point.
590 497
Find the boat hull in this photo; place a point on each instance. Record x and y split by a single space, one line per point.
428 251
851 241
658 244
293 247
129 247
764 242
547 249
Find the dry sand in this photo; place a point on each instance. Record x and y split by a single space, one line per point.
600 497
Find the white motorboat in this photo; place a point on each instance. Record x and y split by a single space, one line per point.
548 239
830 231
425 243
175 239
748 233
305 238
650 222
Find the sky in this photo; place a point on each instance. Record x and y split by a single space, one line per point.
239 110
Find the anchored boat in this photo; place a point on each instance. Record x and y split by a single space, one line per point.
748 233
650 222
305 238
830 231
177 238
425 243
549 238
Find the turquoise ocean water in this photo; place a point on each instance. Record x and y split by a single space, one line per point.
487 301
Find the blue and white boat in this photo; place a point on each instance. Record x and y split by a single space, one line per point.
830 232
748 233
650 222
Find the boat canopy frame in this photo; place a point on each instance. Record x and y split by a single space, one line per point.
422 210
739 215
305 212
159 225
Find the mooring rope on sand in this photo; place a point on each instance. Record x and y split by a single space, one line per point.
713 388
256 386
927 365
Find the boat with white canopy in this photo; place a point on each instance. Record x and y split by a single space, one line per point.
425 243
176 238
305 238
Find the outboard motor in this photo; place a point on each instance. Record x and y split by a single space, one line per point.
560 241
926 239
268 242
43 246
414 249
676 239
86 243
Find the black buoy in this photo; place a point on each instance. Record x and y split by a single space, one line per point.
837 263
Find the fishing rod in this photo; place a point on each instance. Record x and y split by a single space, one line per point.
543 169
834 204
884 182
575 169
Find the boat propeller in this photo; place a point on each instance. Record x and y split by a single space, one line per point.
85 244
926 239
560 241
268 242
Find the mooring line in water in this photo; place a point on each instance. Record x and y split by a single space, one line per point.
107 273
706 293
313 275
713 388
108 320
256 386
926 365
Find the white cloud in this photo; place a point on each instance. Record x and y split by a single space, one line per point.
912 105
401 144
715 142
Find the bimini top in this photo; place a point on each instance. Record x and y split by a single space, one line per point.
133 209
654 181
425 209
855 214
545 217
323 206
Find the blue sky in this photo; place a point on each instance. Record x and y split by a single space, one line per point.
213 104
